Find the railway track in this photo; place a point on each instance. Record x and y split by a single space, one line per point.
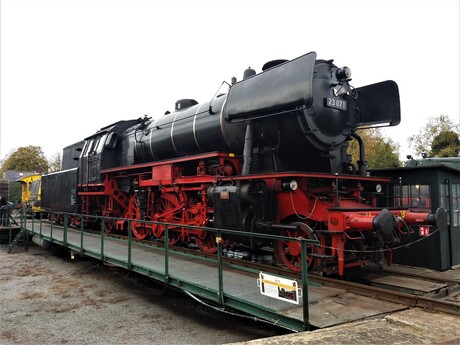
408 299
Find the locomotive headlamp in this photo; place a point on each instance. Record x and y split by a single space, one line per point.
293 185
378 188
343 73
289 185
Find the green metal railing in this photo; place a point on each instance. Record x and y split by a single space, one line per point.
221 298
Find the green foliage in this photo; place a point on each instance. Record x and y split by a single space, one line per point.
30 158
15 194
421 142
445 144
380 152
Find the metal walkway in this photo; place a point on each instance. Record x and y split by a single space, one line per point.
224 286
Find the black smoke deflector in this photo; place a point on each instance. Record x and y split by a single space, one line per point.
379 104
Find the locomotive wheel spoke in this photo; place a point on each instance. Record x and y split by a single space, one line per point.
108 225
168 210
140 231
174 238
206 242
289 252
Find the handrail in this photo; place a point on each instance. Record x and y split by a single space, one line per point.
217 231
195 227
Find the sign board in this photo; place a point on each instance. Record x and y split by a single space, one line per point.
279 288
424 231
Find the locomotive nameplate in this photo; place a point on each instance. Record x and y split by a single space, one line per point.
335 103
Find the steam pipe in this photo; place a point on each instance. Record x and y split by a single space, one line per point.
361 161
247 151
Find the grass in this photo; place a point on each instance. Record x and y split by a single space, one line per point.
30 295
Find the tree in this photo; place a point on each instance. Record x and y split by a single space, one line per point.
54 163
422 141
380 152
445 144
30 158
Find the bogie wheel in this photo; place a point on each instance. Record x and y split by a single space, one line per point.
168 210
290 252
206 241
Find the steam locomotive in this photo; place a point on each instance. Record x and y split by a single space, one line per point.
269 156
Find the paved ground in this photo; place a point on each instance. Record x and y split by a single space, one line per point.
49 299
413 326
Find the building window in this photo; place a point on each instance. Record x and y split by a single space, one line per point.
415 197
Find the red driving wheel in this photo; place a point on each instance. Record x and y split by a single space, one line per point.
289 252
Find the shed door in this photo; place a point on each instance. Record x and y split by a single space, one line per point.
455 224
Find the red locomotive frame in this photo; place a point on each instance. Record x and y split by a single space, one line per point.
340 222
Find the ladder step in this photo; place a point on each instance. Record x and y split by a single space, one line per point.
16 240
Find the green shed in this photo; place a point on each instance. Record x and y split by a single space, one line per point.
425 185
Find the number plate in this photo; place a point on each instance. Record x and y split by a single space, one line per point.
336 103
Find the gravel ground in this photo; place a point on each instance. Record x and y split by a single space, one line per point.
46 298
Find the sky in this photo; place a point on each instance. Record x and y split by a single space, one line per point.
71 67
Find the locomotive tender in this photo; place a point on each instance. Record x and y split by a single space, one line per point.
270 156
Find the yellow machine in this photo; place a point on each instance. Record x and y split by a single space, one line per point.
31 193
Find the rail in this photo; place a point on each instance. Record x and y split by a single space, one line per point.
404 298
222 299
